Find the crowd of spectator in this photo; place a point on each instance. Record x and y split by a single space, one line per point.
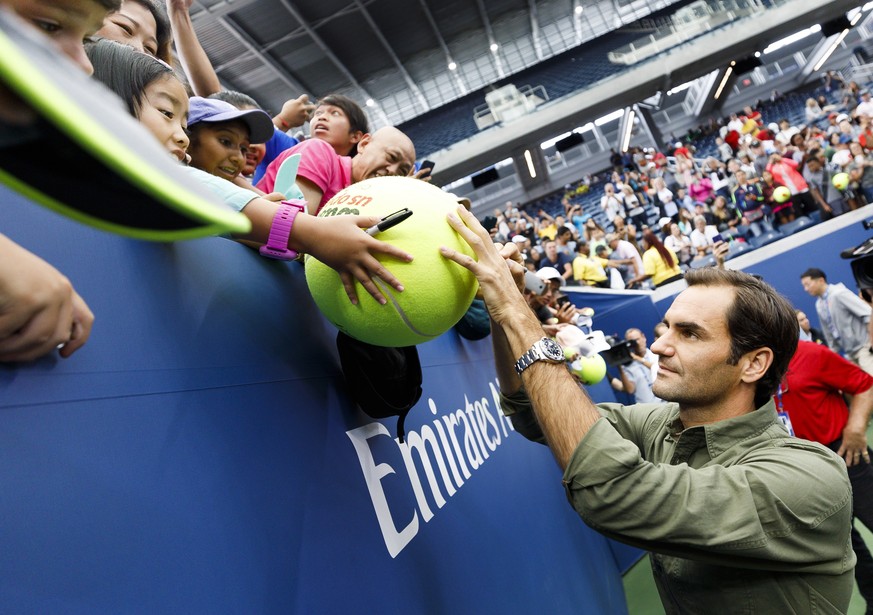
662 211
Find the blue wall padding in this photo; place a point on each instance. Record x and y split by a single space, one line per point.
193 457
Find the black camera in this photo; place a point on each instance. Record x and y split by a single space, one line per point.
862 260
619 354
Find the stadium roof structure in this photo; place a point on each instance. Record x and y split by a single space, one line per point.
405 60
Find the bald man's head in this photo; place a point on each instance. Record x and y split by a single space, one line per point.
385 152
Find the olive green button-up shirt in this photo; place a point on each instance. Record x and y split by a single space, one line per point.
739 516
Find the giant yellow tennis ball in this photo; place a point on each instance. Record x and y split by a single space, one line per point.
437 292
840 181
781 194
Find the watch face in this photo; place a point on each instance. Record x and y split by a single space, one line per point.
552 349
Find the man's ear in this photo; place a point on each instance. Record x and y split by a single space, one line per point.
363 139
755 364
356 136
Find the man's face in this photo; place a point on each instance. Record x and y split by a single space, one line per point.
383 153
814 286
693 353
551 250
66 22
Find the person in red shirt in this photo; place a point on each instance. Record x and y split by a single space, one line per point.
812 395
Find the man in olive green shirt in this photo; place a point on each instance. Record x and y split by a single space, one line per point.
739 516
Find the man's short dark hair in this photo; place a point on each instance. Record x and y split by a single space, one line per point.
758 317
814 273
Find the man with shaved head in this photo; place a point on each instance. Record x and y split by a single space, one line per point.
322 172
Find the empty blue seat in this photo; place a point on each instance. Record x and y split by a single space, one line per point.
736 248
765 238
700 263
796 225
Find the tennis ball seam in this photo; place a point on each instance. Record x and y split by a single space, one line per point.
386 290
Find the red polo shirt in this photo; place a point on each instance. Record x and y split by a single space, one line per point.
811 391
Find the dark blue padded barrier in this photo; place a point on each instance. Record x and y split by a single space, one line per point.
197 456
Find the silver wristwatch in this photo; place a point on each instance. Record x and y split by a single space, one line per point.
545 349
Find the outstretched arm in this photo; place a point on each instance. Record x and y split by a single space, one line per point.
339 242
194 60
562 408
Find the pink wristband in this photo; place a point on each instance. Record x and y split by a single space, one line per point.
280 230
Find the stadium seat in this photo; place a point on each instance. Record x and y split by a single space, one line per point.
736 248
765 238
741 230
799 224
700 263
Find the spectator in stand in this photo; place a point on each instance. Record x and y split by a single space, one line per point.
662 197
785 172
591 226
548 227
830 200
683 200
554 259
748 201
813 112
611 203
752 120
686 221
865 132
725 151
660 264
865 107
833 81
564 242
701 238
861 170
679 149
833 126
699 187
625 231
850 94
725 216
636 213
759 156
782 212
625 251
680 244
589 270
786 131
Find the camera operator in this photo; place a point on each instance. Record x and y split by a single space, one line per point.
636 377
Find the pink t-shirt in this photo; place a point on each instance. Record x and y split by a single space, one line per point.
319 163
